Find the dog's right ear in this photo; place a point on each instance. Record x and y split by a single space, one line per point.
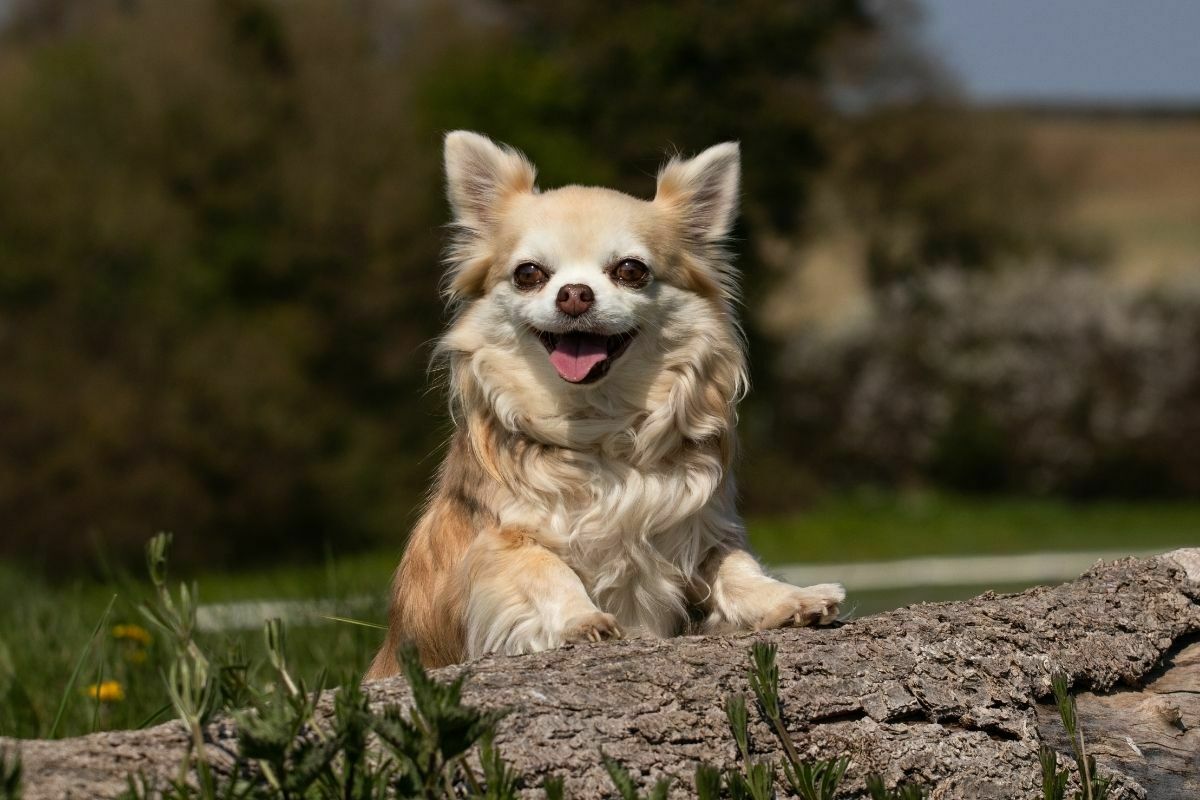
703 191
480 175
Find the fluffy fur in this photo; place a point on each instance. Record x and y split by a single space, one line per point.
573 511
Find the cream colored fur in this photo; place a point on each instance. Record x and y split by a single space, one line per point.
570 512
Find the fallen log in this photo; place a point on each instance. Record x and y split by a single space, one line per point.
955 696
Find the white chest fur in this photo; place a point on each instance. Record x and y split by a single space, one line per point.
635 536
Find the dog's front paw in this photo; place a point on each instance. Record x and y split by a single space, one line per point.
810 605
595 626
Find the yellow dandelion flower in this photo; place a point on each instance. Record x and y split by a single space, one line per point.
107 692
132 633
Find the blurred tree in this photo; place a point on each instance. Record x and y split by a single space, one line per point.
218 257
595 91
929 185
219 226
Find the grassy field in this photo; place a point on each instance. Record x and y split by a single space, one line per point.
868 527
46 629
1139 182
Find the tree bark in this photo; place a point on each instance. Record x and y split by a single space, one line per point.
955 696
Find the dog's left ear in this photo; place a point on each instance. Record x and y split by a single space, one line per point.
703 190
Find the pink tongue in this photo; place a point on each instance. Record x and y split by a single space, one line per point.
575 354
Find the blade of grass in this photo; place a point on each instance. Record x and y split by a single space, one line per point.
62 705
146 722
349 621
99 683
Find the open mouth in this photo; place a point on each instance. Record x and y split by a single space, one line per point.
581 357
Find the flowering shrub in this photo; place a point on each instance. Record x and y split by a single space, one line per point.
1035 380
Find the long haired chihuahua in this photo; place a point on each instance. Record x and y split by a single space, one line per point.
594 367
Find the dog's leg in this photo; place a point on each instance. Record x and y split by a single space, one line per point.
522 598
743 597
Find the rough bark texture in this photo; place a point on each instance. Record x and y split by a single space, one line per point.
954 695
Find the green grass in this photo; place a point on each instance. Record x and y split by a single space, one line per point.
865 526
861 603
870 527
339 577
45 627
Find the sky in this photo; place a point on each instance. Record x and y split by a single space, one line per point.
1086 51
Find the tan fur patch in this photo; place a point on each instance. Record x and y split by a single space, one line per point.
516 537
427 600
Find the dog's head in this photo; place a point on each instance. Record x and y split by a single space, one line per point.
587 293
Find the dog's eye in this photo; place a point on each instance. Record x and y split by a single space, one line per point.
528 275
630 272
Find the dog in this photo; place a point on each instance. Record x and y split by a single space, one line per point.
594 364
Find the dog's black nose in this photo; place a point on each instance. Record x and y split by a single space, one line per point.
574 299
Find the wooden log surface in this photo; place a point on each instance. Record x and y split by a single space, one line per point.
953 695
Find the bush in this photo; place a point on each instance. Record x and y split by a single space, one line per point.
1034 380
218 267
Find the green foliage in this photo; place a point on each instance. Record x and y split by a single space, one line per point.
1054 781
193 686
758 783
816 780
500 780
735 712
69 689
428 746
553 787
284 753
819 779
872 525
538 80
707 782
625 785
10 775
223 291
764 681
879 790
45 627
755 780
